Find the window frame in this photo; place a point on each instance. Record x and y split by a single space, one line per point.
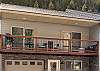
7 63
24 28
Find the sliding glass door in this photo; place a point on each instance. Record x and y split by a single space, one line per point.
22 42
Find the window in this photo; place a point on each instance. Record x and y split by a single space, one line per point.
76 35
29 41
24 63
32 63
28 32
17 63
39 63
17 42
9 62
17 31
76 44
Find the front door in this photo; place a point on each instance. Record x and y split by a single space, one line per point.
53 65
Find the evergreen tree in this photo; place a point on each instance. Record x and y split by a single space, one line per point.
78 4
44 4
64 4
84 8
36 4
98 5
71 5
51 5
57 5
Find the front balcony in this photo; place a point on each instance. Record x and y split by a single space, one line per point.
42 45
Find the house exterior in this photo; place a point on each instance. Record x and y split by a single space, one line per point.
35 39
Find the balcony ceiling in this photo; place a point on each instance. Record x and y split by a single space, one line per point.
37 17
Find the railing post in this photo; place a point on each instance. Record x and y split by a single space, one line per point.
23 48
47 45
1 41
36 43
97 48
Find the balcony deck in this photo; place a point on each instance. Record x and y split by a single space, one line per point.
50 46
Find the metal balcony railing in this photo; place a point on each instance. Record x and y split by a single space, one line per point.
42 44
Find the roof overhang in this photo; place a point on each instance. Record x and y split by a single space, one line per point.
38 17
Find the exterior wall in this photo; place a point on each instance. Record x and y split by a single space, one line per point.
44 29
85 65
94 32
95 35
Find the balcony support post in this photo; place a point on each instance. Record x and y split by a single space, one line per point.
0 62
36 44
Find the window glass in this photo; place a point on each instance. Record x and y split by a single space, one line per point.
17 42
29 41
32 63
17 63
17 31
39 63
24 63
9 62
76 44
53 66
28 32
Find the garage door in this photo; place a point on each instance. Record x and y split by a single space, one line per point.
24 65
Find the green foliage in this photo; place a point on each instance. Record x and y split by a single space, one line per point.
36 4
71 5
51 5
62 5
84 8
98 5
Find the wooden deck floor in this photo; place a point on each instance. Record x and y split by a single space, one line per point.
48 52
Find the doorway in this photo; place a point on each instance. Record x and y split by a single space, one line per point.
53 65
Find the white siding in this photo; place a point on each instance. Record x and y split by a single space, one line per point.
95 34
44 29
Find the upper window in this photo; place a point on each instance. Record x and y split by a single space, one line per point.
17 31
28 32
19 42
76 35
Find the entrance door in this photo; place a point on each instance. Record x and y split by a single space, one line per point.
53 65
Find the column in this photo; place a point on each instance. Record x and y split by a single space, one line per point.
0 62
